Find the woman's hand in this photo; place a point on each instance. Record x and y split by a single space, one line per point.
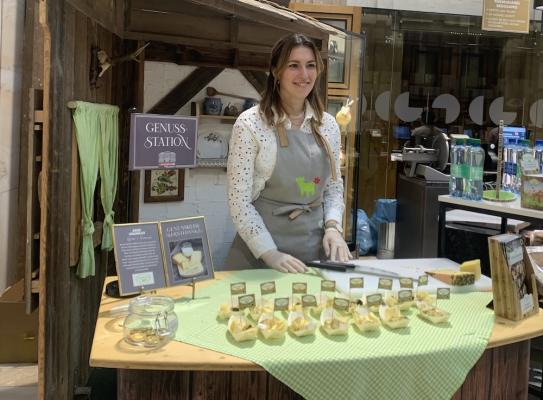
283 262
335 247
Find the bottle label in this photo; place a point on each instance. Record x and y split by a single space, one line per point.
464 171
455 170
476 173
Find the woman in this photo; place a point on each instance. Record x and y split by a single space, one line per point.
285 192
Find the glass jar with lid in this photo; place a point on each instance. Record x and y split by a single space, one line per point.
151 321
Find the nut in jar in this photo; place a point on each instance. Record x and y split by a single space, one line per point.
151 321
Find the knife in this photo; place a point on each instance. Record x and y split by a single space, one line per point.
327 265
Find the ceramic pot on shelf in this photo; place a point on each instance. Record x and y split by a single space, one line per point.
212 106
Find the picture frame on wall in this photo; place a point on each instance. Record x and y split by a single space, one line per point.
338 51
164 185
186 250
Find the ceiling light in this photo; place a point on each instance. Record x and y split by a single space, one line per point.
538 4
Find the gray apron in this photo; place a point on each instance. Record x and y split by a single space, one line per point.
290 203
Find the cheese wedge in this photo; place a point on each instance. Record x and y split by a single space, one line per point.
452 277
473 266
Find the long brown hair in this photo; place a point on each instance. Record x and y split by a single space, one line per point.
278 62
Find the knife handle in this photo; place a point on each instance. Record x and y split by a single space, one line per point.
325 265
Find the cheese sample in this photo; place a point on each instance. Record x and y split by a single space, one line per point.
473 266
300 325
452 277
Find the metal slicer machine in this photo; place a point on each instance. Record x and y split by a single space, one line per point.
426 158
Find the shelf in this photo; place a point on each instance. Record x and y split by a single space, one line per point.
221 118
225 119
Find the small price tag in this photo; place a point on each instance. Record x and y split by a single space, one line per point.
328 286
406 283
374 299
237 288
443 293
309 300
405 295
299 288
281 304
267 288
246 301
423 280
356 283
341 304
385 283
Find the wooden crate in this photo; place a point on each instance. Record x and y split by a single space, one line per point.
509 276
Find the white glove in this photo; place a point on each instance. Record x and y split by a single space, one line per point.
335 247
283 262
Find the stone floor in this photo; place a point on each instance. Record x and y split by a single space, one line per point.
19 381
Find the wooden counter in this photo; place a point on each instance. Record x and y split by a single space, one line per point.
505 362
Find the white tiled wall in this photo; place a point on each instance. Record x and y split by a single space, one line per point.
205 188
11 37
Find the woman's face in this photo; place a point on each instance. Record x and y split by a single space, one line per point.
298 77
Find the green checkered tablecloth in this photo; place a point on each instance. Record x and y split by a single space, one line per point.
423 361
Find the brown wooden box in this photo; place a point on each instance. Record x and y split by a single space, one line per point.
507 301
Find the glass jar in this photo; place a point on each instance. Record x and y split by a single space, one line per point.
151 321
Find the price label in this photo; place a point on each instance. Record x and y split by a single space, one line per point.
299 288
281 304
356 283
405 295
423 280
309 300
406 283
374 299
341 304
385 283
267 288
246 301
237 288
328 286
443 293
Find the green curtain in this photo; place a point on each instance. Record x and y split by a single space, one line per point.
96 130
108 168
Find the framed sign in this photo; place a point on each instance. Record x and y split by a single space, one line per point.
163 185
339 49
162 141
138 257
187 255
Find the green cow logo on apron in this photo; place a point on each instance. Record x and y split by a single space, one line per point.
307 188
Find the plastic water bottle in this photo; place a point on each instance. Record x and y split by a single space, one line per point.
465 170
513 152
506 172
538 153
458 166
476 163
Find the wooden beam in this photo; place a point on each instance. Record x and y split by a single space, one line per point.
186 90
108 13
262 13
257 79
205 43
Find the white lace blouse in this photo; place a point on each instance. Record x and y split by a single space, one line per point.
251 161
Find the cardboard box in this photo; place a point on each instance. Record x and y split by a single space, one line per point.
531 191
19 330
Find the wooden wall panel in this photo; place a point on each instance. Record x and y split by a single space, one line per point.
500 373
70 304
108 13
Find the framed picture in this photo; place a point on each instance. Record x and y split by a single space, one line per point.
138 257
187 254
163 185
339 51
